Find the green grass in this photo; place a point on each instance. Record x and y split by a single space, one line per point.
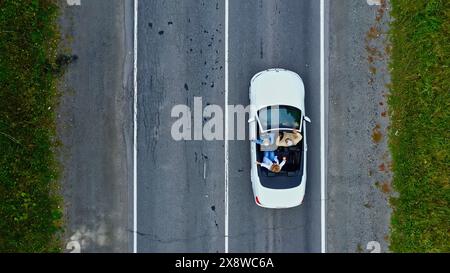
419 135
30 217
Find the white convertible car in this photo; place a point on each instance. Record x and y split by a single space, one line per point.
277 98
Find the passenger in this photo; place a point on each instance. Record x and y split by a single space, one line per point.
288 142
270 162
289 139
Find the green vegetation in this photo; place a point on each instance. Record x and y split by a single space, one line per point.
30 217
419 107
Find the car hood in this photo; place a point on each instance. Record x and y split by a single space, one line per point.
277 87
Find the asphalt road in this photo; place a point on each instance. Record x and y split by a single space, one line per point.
357 210
181 184
266 34
94 124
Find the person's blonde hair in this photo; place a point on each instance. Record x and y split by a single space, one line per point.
275 168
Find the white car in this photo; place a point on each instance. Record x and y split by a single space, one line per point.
277 99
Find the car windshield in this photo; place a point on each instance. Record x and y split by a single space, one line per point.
279 117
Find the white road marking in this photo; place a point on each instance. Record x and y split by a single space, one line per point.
204 170
322 127
226 126
86 236
374 246
374 2
74 246
135 129
74 2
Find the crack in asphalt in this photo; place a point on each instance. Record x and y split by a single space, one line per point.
154 237
273 229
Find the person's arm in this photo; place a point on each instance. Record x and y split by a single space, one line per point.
283 162
257 141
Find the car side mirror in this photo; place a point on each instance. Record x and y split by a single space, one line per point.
307 119
251 120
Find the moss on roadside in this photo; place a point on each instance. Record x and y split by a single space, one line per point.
30 217
419 107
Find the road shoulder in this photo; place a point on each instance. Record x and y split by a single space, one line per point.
94 126
358 179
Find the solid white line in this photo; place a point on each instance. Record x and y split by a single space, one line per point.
322 127
226 126
135 129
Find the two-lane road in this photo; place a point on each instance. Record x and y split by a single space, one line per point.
181 201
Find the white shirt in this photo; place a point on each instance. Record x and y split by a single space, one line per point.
268 163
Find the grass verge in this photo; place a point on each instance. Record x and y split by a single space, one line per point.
419 107
30 217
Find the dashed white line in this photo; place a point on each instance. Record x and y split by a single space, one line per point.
374 2
226 126
204 170
74 2
322 127
135 129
